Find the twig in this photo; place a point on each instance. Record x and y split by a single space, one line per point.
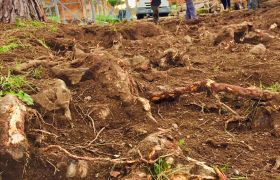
226 106
92 121
55 168
96 137
44 132
86 158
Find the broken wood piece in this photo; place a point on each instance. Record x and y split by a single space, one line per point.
13 140
34 63
214 87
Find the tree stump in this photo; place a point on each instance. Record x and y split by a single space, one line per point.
10 10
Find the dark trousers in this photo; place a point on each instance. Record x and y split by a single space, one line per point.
155 13
226 4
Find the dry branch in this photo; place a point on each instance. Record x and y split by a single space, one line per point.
87 158
34 63
214 87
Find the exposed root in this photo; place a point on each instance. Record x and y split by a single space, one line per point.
214 87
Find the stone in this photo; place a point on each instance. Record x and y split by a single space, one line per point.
273 26
188 39
258 49
54 96
68 74
140 63
13 140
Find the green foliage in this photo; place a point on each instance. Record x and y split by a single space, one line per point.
273 87
115 2
13 85
160 169
53 29
109 19
21 24
52 18
37 72
8 47
181 142
43 43
202 11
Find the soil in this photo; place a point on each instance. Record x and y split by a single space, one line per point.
240 152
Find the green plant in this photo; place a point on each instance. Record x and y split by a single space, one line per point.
22 24
37 72
53 29
43 43
160 169
274 87
8 47
11 84
181 142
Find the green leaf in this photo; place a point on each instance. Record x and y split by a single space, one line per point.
181 142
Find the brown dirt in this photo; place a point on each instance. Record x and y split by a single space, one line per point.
203 131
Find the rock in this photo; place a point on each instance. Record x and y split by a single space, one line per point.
13 140
160 143
171 58
258 49
68 74
273 26
119 85
140 63
234 33
188 39
77 169
54 96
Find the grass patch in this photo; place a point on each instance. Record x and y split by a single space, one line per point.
8 47
109 19
43 43
273 87
37 72
11 84
22 24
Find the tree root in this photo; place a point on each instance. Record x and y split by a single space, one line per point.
214 87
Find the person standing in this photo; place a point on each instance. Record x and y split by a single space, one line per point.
155 7
226 4
190 10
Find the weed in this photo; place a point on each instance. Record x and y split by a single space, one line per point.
160 169
53 29
43 43
22 24
224 167
11 84
273 87
181 142
37 72
8 47
216 69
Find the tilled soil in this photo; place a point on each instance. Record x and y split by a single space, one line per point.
240 152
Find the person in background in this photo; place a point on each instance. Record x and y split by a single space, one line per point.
190 10
253 4
155 7
226 4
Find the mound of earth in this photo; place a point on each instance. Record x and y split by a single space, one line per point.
114 101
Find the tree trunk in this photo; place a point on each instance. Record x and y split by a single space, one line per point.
10 10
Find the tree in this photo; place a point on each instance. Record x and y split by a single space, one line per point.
10 10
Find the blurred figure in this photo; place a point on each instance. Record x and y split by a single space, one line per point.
190 10
226 4
253 4
155 7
